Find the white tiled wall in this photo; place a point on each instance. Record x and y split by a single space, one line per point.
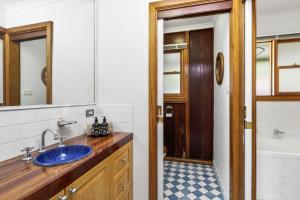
22 128
278 159
284 116
278 176
121 115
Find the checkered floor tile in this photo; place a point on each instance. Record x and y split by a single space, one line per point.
185 181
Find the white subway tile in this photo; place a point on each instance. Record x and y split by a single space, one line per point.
33 129
9 134
122 127
8 118
124 108
10 150
49 113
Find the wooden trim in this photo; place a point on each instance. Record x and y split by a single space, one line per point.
13 37
236 95
2 32
277 98
11 72
194 161
29 36
195 10
289 67
237 102
29 28
276 76
171 73
49 49
254 145
187 90
288 40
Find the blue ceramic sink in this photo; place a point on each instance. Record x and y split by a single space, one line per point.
62 155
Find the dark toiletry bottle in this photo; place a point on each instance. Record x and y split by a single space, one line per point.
96 127
104 128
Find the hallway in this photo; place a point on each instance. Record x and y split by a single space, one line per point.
186 181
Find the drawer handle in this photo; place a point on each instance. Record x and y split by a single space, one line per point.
124 160
73 190
62 198
124 187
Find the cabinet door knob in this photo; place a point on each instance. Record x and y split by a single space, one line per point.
62 198
124 187
73 190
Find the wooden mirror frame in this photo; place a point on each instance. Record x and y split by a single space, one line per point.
220 68
2 33
12 39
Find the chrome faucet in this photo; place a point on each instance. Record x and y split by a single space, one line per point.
55 136
63 122
277 132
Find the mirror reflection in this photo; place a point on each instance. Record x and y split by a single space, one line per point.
49 51
278 66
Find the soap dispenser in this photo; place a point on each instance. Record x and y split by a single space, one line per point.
104 128
96 127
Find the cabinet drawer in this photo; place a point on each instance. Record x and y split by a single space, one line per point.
122 185
121 161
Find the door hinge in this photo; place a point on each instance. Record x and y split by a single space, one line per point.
159 116
247 125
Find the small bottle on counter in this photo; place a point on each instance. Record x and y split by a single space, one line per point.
104 128
96 128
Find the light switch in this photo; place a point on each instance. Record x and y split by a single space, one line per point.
27 92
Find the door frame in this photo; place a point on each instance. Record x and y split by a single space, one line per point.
237 89
254 167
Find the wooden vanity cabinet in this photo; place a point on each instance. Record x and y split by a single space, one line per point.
109 180
59 196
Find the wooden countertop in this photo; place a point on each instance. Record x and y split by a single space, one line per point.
22 180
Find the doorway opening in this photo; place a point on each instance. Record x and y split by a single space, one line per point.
187 8
196 161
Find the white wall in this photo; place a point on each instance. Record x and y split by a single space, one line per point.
122 74
286 22
32 62
73 44
221 105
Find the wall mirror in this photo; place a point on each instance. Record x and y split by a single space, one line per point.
278 67
47 52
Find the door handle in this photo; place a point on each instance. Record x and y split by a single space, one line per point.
159 116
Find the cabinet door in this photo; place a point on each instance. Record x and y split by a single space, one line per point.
92 186
59 196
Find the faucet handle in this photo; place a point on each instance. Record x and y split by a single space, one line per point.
27 149
27 155
61 141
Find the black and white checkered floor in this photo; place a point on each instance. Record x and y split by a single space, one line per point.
185 181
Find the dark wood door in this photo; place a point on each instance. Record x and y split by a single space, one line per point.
201 94
174 129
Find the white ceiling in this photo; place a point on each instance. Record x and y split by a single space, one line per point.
266 7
